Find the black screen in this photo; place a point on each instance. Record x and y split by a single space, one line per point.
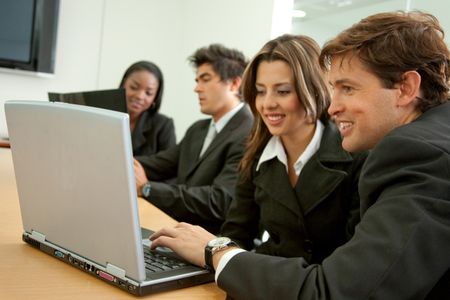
16 30
28 34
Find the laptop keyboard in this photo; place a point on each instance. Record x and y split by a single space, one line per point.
157 262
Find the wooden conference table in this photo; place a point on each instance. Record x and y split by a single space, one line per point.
27 273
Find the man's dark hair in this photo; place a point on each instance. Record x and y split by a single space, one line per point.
228 63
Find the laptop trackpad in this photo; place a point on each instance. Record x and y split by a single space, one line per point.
145 234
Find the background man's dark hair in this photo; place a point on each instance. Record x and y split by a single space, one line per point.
228 63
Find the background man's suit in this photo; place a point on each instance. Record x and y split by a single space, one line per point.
402 245
204 185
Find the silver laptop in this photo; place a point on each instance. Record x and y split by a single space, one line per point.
76 186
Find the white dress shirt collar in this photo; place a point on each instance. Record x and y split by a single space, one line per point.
219 125
275 148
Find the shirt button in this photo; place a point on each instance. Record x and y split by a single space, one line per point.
308 245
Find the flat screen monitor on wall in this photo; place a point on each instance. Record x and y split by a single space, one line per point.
28 34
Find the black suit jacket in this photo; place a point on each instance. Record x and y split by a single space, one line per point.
401 248
204 186
152 134
310 220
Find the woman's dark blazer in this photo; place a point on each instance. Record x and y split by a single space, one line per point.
310 220
153 133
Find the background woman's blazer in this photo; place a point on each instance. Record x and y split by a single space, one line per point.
152 134
204 186
309 221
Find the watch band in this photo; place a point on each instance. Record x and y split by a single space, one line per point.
208 260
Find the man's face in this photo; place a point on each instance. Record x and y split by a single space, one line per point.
362 108
215 96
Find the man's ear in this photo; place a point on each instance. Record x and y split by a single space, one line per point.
236 83
409 88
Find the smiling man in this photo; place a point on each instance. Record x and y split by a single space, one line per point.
205 162
366 108
390 78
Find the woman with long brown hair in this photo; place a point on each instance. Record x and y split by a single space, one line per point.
297 183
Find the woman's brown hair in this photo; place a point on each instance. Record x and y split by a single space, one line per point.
301 53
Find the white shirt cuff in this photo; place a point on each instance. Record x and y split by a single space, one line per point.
225 259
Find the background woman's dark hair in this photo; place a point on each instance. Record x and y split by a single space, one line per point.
150 67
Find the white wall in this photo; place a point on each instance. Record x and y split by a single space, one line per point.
99 39
172 32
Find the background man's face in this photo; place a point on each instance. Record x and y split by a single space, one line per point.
214 94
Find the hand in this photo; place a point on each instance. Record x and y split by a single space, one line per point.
139 174
186 240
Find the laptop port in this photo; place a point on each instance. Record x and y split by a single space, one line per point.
122 283
59 254
105 276
131 287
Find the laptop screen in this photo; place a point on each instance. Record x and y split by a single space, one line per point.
108 99
75 180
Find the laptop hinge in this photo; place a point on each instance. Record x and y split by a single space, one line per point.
116 271
37 236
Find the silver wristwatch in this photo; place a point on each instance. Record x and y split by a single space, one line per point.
214 246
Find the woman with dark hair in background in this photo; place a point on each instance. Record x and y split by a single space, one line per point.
151 131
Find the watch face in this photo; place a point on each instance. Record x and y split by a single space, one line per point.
219 242
146 189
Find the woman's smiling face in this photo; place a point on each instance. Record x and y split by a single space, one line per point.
277 101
